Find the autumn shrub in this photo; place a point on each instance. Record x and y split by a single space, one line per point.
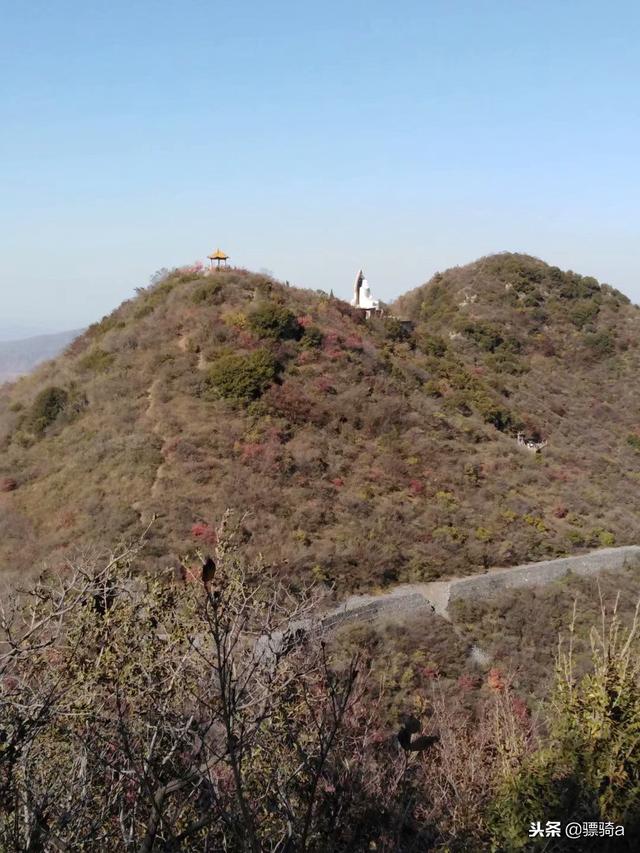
159 289
433 388
487 336
291 402
141 713
97 361
603 538
493 413
504 361
584 312
575 286
271 320
395 330
600 344
633 441
432 344
206 293
587 767
46 408
111 321
204 533
242 377
312 338
143 311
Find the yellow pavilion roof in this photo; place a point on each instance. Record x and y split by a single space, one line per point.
218 255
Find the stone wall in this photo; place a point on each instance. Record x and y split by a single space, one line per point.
536 574
388 605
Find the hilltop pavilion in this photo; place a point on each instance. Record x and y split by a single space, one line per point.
219 257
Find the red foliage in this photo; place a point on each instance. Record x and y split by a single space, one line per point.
416 487
430 671
354 342
8 484
519 708
496 680
331 339
379 736
291 402
204 533
325 386
267 454
338 482
349 311
307 356
251 451
334 353
332 346
467 682
305 321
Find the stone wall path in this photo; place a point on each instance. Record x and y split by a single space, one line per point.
438 595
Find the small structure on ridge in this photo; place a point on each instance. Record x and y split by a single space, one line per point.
530 443
362 297
219 257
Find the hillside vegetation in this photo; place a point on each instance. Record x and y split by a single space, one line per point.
137 714
363 452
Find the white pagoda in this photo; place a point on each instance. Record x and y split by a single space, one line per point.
362 297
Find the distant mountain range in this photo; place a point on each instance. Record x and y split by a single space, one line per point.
12 331
18 357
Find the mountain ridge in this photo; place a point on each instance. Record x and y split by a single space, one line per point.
366 453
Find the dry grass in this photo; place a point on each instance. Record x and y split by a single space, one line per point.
518 629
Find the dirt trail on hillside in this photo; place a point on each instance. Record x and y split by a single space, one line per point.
152 413
183 346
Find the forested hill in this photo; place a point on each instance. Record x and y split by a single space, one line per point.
363 452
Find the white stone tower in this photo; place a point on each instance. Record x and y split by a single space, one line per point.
362 297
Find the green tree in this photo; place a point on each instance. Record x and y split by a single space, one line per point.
47 406
588 766
271 320
243 377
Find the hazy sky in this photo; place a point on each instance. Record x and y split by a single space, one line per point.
310 139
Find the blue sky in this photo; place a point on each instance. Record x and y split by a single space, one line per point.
310 139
